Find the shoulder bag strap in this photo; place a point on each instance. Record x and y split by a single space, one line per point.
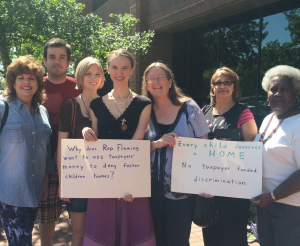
73 116
185 111
206 108
3 121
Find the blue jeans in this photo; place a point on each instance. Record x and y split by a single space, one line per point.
18 224
278 225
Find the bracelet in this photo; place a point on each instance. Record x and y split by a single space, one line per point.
273 197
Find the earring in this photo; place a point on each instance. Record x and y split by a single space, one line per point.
268 102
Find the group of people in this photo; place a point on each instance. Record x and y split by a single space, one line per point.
43 111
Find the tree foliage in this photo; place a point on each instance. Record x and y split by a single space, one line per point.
288 53
293 17
25 25
238 51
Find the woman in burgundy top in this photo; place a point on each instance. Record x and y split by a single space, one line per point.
226 112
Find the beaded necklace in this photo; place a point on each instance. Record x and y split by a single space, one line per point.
274 130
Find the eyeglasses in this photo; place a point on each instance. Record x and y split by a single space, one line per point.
158 79
219 83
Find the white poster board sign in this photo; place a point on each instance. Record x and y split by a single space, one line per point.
105 168
220 168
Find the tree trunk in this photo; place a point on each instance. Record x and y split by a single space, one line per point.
4 54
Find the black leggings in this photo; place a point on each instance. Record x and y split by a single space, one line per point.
172 220
232 227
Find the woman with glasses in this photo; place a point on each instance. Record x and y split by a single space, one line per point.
25 152
226 112
173 114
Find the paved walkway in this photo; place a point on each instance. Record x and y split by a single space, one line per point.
63 234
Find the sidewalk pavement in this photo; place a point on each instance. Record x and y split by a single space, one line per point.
63 234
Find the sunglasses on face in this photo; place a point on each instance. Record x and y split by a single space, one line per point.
219 83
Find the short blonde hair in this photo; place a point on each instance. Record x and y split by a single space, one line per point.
83 65
282 71
25 65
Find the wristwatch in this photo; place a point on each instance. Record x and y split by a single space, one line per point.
273 197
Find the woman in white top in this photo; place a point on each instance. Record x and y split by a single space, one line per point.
278 211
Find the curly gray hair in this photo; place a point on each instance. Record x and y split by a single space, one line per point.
282 71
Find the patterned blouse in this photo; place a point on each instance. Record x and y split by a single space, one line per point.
190 122
233 118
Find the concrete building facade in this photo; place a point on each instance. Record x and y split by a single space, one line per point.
195 37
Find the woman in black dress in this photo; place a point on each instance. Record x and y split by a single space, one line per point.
121 114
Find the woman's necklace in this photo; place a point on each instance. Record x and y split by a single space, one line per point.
87 112
274 130
123 126
118 108
129 94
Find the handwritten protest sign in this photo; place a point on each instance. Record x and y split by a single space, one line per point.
105 168
221 168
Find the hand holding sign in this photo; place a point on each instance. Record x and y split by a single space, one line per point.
88 134
167 139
